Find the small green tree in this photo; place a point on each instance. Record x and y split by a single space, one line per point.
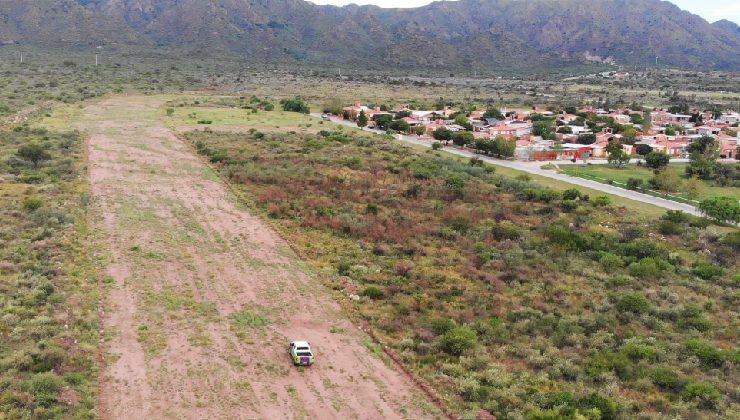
462 138
618 158
657 160
458 339
586 139
34 153
295 105
442 134
419 130
721 209
492 112
503 147
362 119
643 149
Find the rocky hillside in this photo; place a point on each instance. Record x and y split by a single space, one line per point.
456 34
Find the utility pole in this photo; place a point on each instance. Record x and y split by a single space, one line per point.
21 57
96 60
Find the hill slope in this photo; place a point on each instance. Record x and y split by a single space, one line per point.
465 33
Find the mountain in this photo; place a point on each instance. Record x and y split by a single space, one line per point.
486 34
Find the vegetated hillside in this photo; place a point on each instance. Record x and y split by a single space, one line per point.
48 285
506 296
499 34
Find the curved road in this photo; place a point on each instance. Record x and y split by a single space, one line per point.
535 169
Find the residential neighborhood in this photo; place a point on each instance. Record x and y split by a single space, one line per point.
548 134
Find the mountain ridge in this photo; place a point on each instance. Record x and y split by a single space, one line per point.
460 34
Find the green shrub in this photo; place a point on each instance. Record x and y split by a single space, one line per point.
32 203
373 292
732 240
637 351
708 355
676 216
442 325
458 339
648 268
706 395
611 262
571 194
604 361
295 105
602 201
707 271
568 205
436 145
607 408
634 183
506 230
668 227
666 378
632 302
46 383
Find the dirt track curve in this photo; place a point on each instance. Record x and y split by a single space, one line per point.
202 296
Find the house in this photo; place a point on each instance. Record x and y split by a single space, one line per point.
729 118
706 130
510 129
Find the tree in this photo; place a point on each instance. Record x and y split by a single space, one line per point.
362 119
666 180
703 153
492 112
503 147
543 129
295 105
333 106
722 209
647 121
565 130
461 138
636 119
629 132
618 158
399 125
458 339
657 160
442 134
613 146
419 130
483 145
461 119
643 149
670 130
383 121
34 153
586 139
693 187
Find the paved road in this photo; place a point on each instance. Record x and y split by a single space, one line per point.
535 169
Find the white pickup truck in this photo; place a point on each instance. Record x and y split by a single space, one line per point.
300 352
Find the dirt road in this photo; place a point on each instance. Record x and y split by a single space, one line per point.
203 296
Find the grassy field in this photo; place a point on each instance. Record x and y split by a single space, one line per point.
505 295
48 284
622 175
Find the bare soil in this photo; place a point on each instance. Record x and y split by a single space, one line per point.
203 297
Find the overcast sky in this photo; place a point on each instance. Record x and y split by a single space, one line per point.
711 10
